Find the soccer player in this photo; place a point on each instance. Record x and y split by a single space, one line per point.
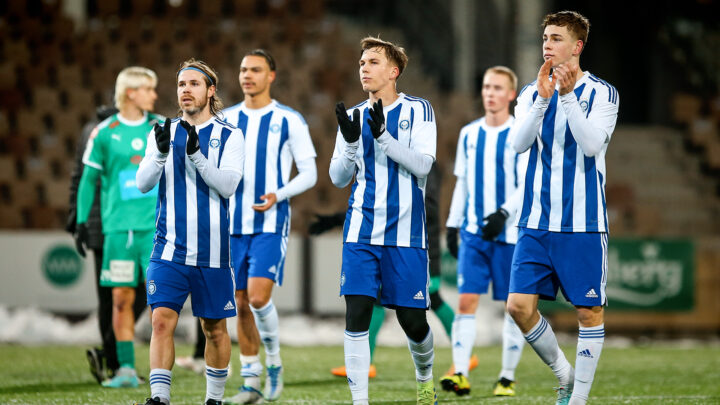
483 206
565 119
275 136
389 151
441 309
102 360
197 161
113 153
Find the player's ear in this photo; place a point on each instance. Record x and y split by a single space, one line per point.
211 91
513 94
271 76
394 72
579 46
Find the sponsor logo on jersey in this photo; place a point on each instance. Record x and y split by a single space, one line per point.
114 124
116 137
136 159
137 144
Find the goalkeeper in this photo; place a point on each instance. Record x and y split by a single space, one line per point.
113 153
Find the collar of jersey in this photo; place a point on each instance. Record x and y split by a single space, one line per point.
130 123
400 98
499 128
258 111
204 124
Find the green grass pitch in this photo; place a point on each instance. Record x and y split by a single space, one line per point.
654 374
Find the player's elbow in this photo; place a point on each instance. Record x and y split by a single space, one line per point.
519 146
339 182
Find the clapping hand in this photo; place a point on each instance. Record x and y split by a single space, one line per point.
350 129
162 136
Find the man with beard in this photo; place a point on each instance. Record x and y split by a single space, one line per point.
198 162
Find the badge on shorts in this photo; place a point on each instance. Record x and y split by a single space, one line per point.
151 288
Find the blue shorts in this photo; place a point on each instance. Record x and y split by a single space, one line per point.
212 288
574 262
402 272
479 262
258 255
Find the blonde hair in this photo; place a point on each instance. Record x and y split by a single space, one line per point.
503 70
132 77
211 79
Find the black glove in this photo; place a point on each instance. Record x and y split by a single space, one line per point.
162 136
325 223
377 119
193 143
495 223
71 221
451 237
81 238
350 130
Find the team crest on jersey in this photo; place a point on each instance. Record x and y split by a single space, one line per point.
137 144
151 287
275 128
404 125
215 143
584 105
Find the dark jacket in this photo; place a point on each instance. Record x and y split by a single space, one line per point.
95 235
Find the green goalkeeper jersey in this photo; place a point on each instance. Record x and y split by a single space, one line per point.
114 151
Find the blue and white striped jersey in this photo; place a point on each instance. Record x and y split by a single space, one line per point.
489 165
192 225
274 136
565 188
387 202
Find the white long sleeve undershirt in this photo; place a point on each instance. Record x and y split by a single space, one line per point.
458 203
590 138
415 162
304 180
224 181
342 167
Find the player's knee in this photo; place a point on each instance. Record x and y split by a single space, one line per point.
519 312
414 323
358 313
122 299
590 316
468 303
258 301
160 326
214 330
